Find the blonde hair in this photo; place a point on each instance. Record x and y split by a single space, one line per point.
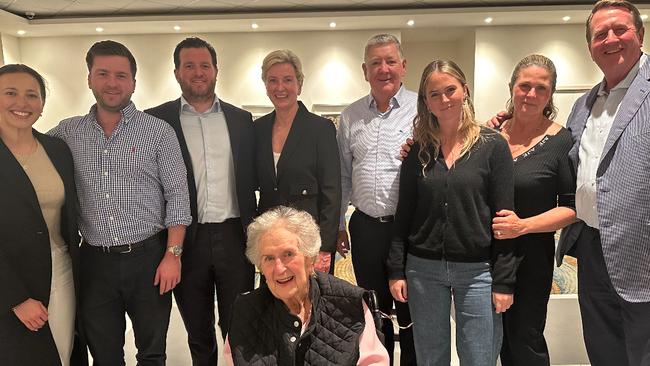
550 110
283 57
426 128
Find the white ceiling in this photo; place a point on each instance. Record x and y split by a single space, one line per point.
82 17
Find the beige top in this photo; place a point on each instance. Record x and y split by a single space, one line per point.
49 191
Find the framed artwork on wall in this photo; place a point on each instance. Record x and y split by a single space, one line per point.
329 111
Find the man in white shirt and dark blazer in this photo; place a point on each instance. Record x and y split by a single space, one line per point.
611 154
217 141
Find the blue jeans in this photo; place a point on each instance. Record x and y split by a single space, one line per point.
432 284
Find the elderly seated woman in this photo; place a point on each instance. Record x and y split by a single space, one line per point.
299 316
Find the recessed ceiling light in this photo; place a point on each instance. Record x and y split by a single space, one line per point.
410 23
99 29
254 26
566 18
488 20
644 16
21 32
332 24
177 28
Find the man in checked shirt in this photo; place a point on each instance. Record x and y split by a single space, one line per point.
370 133
134 200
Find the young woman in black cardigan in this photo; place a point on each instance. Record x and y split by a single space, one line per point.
456 177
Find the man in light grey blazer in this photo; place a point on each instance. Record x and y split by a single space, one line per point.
611 154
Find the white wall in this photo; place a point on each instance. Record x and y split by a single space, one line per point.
10 53
498 49
331 63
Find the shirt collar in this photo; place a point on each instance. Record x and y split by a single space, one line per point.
395 101
127 112
625 83
187 107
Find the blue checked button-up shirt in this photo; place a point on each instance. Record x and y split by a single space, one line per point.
131 184
369 146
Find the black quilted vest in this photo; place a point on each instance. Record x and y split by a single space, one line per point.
263 332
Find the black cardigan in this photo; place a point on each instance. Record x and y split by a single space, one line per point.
447 213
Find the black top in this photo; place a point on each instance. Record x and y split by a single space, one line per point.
308 173
263 332
544 179
447 213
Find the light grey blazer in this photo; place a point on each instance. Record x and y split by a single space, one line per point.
623 189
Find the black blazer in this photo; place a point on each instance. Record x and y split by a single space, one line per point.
242 144
25 257
308 172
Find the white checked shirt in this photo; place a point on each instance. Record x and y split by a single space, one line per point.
369 145
131 184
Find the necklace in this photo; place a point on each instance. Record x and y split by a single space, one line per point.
25 159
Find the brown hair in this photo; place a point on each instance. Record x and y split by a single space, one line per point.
550 110
603 4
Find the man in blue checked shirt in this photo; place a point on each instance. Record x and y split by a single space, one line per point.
134 200
370 133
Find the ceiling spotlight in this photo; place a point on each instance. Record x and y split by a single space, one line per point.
254 26
488 20
21 32
410 23
644 16
566 18
333 25
177 28
99 29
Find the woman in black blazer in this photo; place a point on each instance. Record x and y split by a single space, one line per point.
38 236
297 154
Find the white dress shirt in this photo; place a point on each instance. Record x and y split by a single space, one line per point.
208 142
369 145
593 140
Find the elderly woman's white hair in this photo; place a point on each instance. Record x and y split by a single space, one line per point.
295 221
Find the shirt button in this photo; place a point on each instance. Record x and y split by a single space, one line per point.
105 151
108 195
275 189
304 192
111 218
116 239
105 174
292 339
296 324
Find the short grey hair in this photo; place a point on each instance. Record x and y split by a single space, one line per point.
380 40
298 222
283 57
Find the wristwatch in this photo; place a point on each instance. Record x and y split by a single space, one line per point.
176 250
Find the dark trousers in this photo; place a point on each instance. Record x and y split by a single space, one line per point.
113 284
214 261
370 241
524 322
616 332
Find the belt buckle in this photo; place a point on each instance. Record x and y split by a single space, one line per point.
127 251
383 219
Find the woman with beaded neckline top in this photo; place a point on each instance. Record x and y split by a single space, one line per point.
544 202
39 240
